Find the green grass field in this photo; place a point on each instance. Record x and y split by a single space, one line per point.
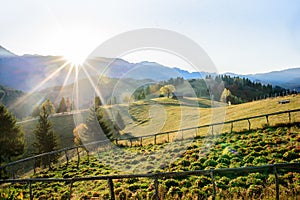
229 150
241 148
163 114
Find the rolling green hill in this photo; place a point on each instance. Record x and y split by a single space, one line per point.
229 150
169 114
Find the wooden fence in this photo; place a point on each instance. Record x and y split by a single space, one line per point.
140 139
271 169
33 159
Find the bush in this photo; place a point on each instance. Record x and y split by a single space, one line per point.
223 160
134 187
290 155
202 181
223 182
210 162
174 190
171 183
238 182
260 160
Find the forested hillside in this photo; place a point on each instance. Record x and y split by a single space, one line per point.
240 89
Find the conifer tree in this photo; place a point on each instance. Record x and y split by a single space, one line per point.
98 102
119 123
11 136
62 106
46 139
48 106
69 105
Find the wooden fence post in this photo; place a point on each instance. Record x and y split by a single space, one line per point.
67 158
276 182
111 189
290 120
231 128
78 158
71 187
130 142
30 190
156 188
212 130
168 137
196 132
249 124
141 141
34 165
214 185
267 117
154 139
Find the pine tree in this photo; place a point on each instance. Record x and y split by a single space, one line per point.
62 106
69 105
46 139
98 102
11 136
119 123
48 106
106 124
97 128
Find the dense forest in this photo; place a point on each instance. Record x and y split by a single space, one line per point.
239 90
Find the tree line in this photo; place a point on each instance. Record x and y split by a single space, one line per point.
63 106
219 88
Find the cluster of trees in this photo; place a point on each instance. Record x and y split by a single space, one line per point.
63 106
12 136
12 143
157 89
237 90
99 127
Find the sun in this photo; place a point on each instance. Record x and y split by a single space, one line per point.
75 58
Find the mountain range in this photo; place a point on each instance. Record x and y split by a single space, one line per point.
29 71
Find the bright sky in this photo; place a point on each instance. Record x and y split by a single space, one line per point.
246 36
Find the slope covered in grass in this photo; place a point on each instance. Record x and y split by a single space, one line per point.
169 114
239 149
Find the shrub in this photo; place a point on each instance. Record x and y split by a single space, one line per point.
174 190
238 182
209 162
223 160
134 187
260 160
185 163
223 182
290 155
202 181
171 183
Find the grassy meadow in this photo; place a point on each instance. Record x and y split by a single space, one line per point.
162 114
276 143
229 150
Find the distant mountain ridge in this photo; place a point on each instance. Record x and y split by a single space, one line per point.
5 53
27 71
288 78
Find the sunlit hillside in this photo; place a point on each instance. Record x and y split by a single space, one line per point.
162 114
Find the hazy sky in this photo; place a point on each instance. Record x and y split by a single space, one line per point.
240 36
